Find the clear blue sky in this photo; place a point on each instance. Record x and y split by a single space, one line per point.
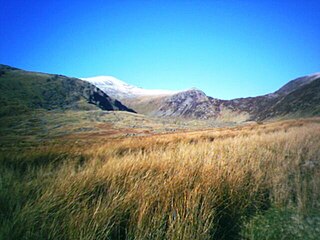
226 48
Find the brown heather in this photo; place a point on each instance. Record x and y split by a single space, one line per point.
192 185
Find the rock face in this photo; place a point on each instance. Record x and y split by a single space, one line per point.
21 91
191 103
103 101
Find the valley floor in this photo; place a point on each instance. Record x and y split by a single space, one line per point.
100 175
43 127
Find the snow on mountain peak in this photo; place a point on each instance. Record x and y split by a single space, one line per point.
120 90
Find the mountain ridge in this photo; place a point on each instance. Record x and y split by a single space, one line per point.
194 103
22 90
120 89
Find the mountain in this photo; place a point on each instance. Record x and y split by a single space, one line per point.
121 90
144 101
21 91
299 97
301 101
296 84
191 103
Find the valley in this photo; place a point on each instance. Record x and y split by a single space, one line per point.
79 160
159 120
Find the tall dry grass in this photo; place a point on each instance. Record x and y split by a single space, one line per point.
199 185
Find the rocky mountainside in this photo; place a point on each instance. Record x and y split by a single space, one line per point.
21 91
299 97
192 103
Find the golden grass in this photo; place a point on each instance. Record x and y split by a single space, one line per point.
192 185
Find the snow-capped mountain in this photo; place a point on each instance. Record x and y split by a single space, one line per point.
121 90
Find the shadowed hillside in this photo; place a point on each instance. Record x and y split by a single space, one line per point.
305 101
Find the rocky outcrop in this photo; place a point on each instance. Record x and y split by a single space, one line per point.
192 103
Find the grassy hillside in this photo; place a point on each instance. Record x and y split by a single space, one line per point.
302 102
22 91
250 182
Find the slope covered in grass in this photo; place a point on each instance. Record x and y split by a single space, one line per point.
22 91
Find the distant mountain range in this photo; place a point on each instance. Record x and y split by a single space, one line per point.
21 91
299 97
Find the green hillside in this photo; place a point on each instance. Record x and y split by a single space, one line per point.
22 91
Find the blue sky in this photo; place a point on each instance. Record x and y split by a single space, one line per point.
226 48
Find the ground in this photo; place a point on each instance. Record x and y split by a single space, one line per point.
114 175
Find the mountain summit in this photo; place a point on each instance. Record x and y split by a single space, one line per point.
121 90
